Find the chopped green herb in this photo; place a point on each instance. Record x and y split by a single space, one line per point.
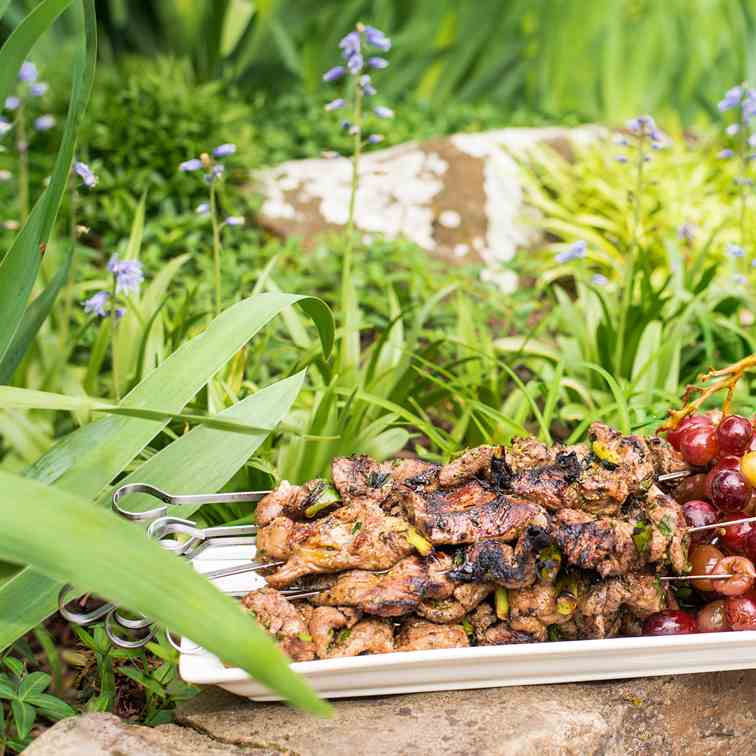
549 563
343 636
357 526
502 603
664 527
467 625
642 536
553 633
304 637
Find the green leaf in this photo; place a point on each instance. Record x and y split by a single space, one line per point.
23 716
201 460
14 665
36 314
51 706
19 267
6 689
35 682
87 551
146 682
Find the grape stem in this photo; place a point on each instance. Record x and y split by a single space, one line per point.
724 379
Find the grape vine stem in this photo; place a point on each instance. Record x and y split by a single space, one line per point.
695 395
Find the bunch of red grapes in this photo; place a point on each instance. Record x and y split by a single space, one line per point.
724 490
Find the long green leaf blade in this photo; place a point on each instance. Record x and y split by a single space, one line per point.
150 581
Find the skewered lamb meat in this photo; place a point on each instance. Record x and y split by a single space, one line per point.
532 610
358 536
395 593
283 621
288 501
368 636
326 622
470 464
453 608
421 635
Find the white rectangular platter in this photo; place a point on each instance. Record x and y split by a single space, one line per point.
479 667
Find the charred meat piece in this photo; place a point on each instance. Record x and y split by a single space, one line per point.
395 593
326 622
666 458
468 513
288 501
368 636
283 621
279 538
502 634
499 563
359 536
532 610
420 635
469 465
669 528
616 467
599 609
453 608
527 453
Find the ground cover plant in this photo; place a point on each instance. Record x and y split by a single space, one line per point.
148 334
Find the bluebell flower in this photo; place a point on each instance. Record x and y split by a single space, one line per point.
743 181
355 64
202 209
332 74
383 112
378 63
96 304
735 250
375 138
599 279
190 165
725 154
644 125
39 89
621 158
739 279
216 172
44 122
5 127
731 99
345 125
620 140
85 173
129 274
350 45
732 129
28 72
234 220
575 251
752 140
377 38
753 263
335 104
367 88
686 232
12 102
224 150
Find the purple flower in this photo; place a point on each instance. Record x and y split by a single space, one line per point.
12 102
642 125
735 250
724 154
731 99
224 150
599 279
39 89
202 209
216 173
686 232
739 279
732 129
345 125
44 123
752 140
375 138
350 45
575 251
234 220
335 104
85 172
379 63
95 305
621 158
332 74
377 38
620 140
367 88
383 112
190 165
129 274
355 64
28 72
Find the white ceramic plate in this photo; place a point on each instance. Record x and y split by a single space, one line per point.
481 667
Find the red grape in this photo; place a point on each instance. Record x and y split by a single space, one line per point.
675 436
750 545
741 611
703 558
692 487
712 618
730 491
735 537
670 622
731 462
698 513
698 445
734 435
744 575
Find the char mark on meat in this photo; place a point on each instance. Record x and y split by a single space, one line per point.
466 598
666 458
468 513
420 635
326 622
497 562
470 464
288 501
368 636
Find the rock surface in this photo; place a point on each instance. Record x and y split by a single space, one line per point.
458 197
696 715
